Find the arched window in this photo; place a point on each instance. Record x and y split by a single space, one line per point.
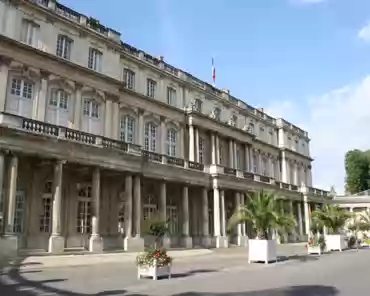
171 142
150 135
127 129
59 99
93 118
58 107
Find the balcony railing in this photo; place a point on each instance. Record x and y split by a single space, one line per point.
175 161
265 179
115 144
152 156
229 171
40 127
248 175
79 136
294 187
196 166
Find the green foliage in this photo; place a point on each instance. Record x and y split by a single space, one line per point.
357 165
361 223
263 211
333 217
316 241
157 227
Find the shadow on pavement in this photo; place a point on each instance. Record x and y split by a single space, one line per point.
286 291
193 272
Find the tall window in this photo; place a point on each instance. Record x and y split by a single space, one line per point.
127 133
19 213
150 134
64 46
151 87
171 96
59 99
95 59
22 88
201 150
255 163
264 166
221 156
171 142
91 108
129 78
238 159
29 32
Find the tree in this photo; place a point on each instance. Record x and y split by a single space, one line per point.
357 165
333 217
264 213
156 227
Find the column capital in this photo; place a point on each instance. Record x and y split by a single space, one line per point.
44 74
4 60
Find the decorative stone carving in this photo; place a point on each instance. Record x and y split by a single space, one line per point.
215 114
232 120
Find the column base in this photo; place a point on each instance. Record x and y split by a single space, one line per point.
166 242
9 245
96 244
242 241
206 241
187 242
222 242
133 244
56 244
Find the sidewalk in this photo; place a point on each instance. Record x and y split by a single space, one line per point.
67 260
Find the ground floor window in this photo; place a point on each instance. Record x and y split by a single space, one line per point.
19 213
171 213
45 217
83 223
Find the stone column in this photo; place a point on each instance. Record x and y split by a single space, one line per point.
4 70
41 102
284 168
9 242
77 108
166 241
225 238
307 215
277 170
128 212
244 225
309 177
295 174
251 153
217 149
96 242
163 136
187 240
240 235
12 191
116 122
300 221
217 214
196 145
206 240
56 240
182 142
191 143
2 199
108 118
246 158
235 155
231 154
214 152
140 130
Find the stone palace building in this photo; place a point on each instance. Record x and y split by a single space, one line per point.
97 135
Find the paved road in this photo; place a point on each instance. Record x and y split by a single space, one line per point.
333 274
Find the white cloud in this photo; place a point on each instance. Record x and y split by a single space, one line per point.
336 122
364 33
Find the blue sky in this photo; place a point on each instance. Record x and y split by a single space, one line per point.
306 60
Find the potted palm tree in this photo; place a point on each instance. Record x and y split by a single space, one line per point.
333 218
316 241
359 226
265 215
155 261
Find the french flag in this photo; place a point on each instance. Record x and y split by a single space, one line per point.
213 72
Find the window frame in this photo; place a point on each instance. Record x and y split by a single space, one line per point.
125 134
64 51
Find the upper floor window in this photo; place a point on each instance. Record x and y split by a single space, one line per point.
201 150
91 108
221 156
238 159
59 99
171 96
198 105
129 78
29 32
64 46
22 88
264 166
95 59
151 86
150 136
255 163
171 142
127 132
251 128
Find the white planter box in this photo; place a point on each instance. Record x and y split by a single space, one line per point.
153 271
335 242
262 250
314 250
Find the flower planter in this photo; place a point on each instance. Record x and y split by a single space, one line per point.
262 250
154 271
335 242
315 250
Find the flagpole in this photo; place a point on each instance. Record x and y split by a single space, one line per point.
213 72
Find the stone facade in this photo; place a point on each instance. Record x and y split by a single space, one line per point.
97 135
